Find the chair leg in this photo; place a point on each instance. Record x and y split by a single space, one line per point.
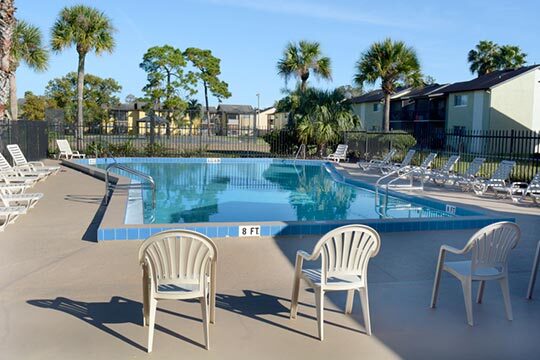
206 320
294 298
151 323
534 271
467 296
480 291
350 301
437 280
364 299
145 298
213 293
506 297
319 300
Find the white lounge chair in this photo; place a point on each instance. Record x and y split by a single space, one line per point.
177 265
499 179
397 166
345 254
518 191
8 171
465 179
66 152
444 171
423 169
26 200
490 248
8 215
339 154
20 162
378 163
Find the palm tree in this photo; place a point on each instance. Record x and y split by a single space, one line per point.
7 26
483 58
510 57
27 46
299 59
390 62
88 29
194 109
326 119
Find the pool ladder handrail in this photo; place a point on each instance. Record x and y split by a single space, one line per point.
302 147
409 171
132 171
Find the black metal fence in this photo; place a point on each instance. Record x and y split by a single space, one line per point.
31 136
185 141
493 145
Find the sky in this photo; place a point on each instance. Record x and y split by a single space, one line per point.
249 37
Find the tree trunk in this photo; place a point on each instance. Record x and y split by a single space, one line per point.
304 78
207 108
386 121
80 89
13 97
7 25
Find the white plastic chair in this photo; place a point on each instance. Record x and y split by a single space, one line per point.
490 248
378 163
66 152
339 154
177 265
19 161
345 254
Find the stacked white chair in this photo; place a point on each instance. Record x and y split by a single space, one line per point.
20 162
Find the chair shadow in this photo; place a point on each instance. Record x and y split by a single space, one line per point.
255 305
118 310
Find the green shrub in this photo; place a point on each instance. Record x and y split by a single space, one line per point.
125 149
154 150
95 149
282 141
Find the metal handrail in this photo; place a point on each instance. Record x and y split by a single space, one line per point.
147 177
302 147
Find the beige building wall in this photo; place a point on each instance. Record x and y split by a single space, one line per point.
514 103
461 115
370 119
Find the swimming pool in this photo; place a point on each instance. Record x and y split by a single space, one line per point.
262 197
260 191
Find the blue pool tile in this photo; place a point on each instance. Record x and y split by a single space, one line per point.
265 230
222 231
100 235
154 231
275 230
133 234
144 233
211 231
120 234
315 229
108 234
233 231
201 230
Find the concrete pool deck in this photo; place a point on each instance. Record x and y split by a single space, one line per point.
64 296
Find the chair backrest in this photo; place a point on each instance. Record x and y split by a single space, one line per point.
389 155
16 154
341 150
177 256
503 170
408 158
492 244
474 167
428 160
64 147
347 250
449 164
4 164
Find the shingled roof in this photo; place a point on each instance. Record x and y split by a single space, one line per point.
235 109
376 95
488 81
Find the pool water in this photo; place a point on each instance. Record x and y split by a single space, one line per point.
263 191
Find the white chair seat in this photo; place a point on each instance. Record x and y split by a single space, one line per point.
313 277
463 269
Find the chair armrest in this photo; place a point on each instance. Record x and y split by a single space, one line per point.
453 250
305 256
39 163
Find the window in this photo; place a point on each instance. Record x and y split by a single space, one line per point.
460 100
376 107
